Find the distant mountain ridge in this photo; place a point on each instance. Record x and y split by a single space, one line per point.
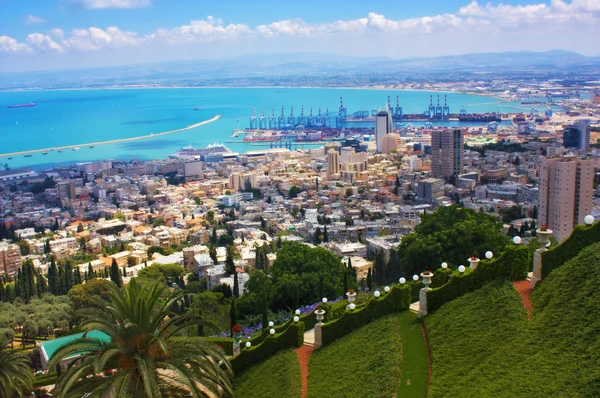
257 66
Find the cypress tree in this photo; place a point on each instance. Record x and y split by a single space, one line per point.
124 272
229 266
30 279
85 276
345 284
232 317
325 235
61 281
41 286
2 292
115 274
90 270
370 280
53 277
236 287
17 284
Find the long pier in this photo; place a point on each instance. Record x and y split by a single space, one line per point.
141 137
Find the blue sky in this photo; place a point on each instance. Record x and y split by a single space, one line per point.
38 34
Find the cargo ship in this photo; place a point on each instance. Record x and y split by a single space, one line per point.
21 105
479 117
260 139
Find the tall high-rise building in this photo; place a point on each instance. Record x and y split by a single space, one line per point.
577 135
333 163
447 153
383 126
566 188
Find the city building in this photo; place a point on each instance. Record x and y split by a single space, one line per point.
565 194
333 163
577 135
10 258
391 143
447 153
192 171
383 126
430 188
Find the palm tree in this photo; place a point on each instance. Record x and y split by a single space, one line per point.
143 354
16 377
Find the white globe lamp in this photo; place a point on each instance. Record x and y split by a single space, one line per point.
352 306
517 240
415 278
296 318
444 265
376 293
324 300
489 255
402 281
387 289
272 331
297 312
589 219
248 344
271 324
461 268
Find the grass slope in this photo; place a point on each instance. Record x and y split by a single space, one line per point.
365 363
482 344
415 365
278 376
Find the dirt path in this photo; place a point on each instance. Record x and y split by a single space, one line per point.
428 355
304 353
524 289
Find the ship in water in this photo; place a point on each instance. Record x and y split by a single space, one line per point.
21 105
479 117
198 108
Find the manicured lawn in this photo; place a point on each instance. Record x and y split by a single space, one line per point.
365 363
276 377
415 365
483 345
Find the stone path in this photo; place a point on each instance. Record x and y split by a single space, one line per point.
524 289
304 354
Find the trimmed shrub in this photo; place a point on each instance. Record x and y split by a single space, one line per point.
398 299
292 336
512 264
226 343
581 237
310 320
335 310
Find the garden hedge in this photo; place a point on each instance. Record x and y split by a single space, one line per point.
581 237
226 343
513 264
396 300
291 336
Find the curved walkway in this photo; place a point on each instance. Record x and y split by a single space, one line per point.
304 353
524 289
141 137
416 360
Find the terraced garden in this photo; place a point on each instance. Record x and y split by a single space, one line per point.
483 345
277 377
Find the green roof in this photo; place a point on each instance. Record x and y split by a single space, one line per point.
51 346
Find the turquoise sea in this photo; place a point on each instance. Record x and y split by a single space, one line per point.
68 117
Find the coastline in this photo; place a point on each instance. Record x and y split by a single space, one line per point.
115 141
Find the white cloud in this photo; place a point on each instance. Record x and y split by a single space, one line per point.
472 20
32 19
11 46
207 30
99 4
95 39
41 42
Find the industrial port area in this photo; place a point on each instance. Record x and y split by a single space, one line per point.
536 111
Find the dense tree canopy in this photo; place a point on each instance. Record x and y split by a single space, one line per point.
299 271
450 234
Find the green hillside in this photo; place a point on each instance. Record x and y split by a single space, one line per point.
483 345
278 376
365 363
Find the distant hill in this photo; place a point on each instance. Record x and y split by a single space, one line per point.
271 66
